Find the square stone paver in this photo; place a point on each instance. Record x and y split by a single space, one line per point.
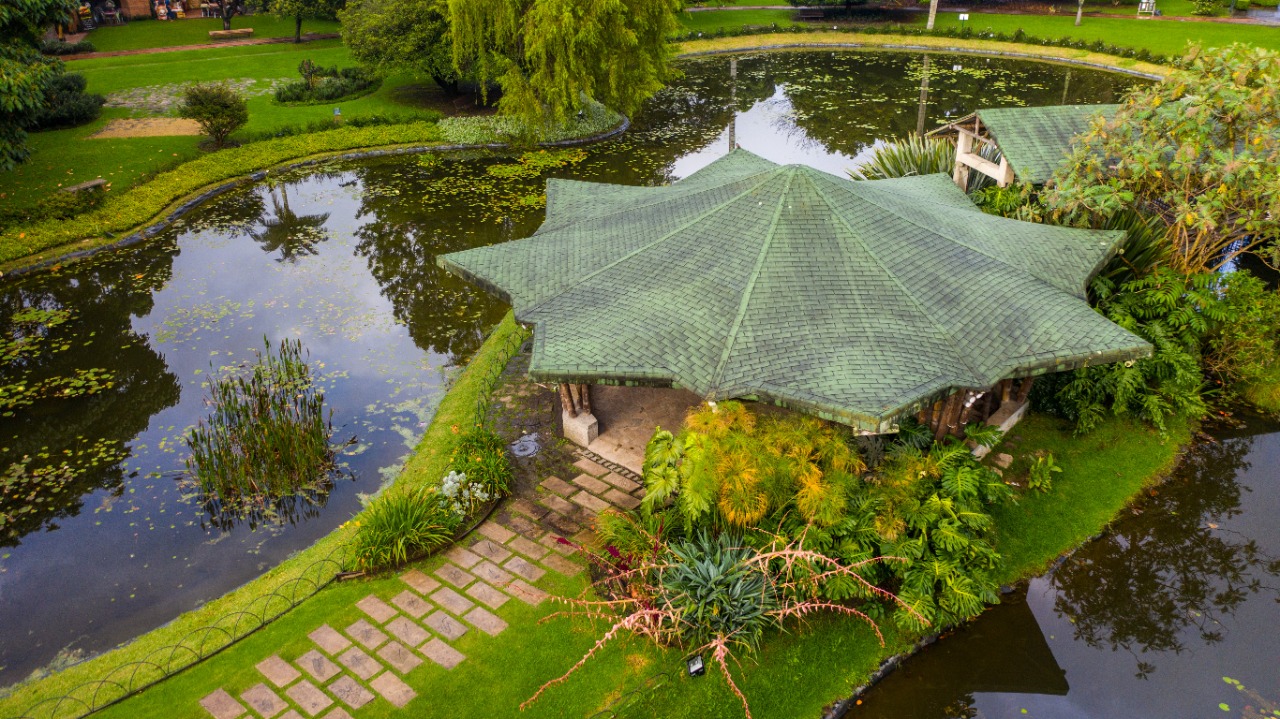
558 486
523 525
590 467
360 664
528 547
263 700
337 713
454 575
590 502
318 665
411 604
495 531
328 639
527 508
393 689
551 540
621 499
379 610
486 621
420 582
407 631
399 656
350 692
487 595
278 671
492 573
562 565
526 592
461 557
446 626
222 705
443 654
591 484
367 634
491 550
521 566
452 601
293 714
626 484
559 504
309 697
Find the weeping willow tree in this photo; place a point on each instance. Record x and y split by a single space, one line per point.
549 57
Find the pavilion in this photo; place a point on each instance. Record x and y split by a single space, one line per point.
855 301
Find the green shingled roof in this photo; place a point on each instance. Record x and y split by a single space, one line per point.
1037 139
853 301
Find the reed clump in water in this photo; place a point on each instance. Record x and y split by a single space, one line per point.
267 437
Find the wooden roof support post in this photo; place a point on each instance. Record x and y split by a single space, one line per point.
964 144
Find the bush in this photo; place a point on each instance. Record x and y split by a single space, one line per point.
400 526
321 84
54 46
66 104
218 109
481 457
915 155
326 125
1241 349
1205 7
58 205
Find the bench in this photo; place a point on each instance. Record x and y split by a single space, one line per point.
230 34
91 184
811 13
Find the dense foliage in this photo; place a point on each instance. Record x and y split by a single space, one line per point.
803 479
1199 150
66 104
218 109
399 35
55 46
481 455
551 56
25 74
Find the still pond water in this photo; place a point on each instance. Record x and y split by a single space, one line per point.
102 537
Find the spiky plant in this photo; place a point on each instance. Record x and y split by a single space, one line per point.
915 155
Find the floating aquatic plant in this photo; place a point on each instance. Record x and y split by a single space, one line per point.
267 439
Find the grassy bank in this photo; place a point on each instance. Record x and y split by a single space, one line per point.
142 34
430 456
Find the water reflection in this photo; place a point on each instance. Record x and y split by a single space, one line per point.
285 231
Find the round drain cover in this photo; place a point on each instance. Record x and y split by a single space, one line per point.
526 446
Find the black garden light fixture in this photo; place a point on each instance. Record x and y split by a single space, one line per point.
696 666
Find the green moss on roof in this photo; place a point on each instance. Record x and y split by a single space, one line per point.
1036 140
853 301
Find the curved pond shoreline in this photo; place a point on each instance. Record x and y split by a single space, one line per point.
53 257
304 163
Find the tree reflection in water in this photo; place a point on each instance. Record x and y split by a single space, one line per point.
1163 581
287 232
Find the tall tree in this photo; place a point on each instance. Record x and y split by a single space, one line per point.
301 10
549 56
228 9
394 35
25 74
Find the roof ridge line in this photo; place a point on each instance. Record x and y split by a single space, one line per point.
697 218
659 200
751 283
1028 271
946 336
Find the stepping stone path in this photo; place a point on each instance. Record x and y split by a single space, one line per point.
352 667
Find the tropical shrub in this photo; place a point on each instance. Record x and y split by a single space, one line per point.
218 109
916 155
1242 346
401 525
1040 476
1197 149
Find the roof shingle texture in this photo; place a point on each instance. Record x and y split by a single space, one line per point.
1036 140
853 301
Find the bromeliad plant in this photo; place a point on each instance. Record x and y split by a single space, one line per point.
712 593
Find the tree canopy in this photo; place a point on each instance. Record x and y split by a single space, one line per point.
301 10
24 73
394 35
549 56
1200 150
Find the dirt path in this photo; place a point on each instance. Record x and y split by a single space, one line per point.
147 127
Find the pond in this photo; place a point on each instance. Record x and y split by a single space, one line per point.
1163 617
105 362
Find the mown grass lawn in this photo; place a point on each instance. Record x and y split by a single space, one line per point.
144 34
